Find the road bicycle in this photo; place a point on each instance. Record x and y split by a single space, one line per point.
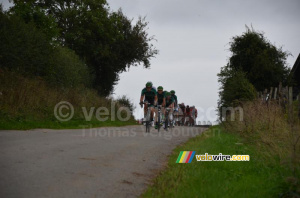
147 120
168 120
176 117
159 117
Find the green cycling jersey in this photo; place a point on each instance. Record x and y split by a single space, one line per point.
149 95
169 101
175 98
160 98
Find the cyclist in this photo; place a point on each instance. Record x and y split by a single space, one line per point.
175 105
161 100
182 113
169 104
188 114
175 98
193 115
196 114
149 94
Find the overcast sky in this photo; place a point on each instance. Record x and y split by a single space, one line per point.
192 39
193 36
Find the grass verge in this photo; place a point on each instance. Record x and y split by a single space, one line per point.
259 177
28 103
49 124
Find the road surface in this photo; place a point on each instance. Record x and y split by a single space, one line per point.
102 162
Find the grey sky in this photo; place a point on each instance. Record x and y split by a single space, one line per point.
193 36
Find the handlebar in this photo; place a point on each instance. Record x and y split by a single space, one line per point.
145 102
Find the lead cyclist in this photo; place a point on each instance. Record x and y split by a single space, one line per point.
149 94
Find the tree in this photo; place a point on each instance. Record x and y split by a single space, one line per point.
255 65
27 50
263 63
23 48
107 41
30 13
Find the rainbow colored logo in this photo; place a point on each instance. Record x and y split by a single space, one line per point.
185 157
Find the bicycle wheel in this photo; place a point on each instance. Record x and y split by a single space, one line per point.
158 121
166 122
147 125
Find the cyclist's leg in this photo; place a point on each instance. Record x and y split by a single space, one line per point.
156 114
190 119
162 114
151 109
145 110
174 116
179 116
156 117
171 117
152 112
166 118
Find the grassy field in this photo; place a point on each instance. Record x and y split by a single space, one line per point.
259 177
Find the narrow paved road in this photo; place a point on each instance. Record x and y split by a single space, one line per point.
103 162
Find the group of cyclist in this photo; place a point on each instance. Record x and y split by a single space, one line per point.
160 97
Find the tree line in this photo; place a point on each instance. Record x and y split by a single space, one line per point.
73 43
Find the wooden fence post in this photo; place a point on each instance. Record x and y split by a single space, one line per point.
290 95
290 105
265 95
271 92
275 93
280 93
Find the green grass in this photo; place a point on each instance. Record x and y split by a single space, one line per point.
260 177
52 124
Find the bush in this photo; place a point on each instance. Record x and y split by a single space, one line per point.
67 70
236 88
125 102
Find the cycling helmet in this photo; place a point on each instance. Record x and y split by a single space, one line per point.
168 93
149 84
172 92
160 88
